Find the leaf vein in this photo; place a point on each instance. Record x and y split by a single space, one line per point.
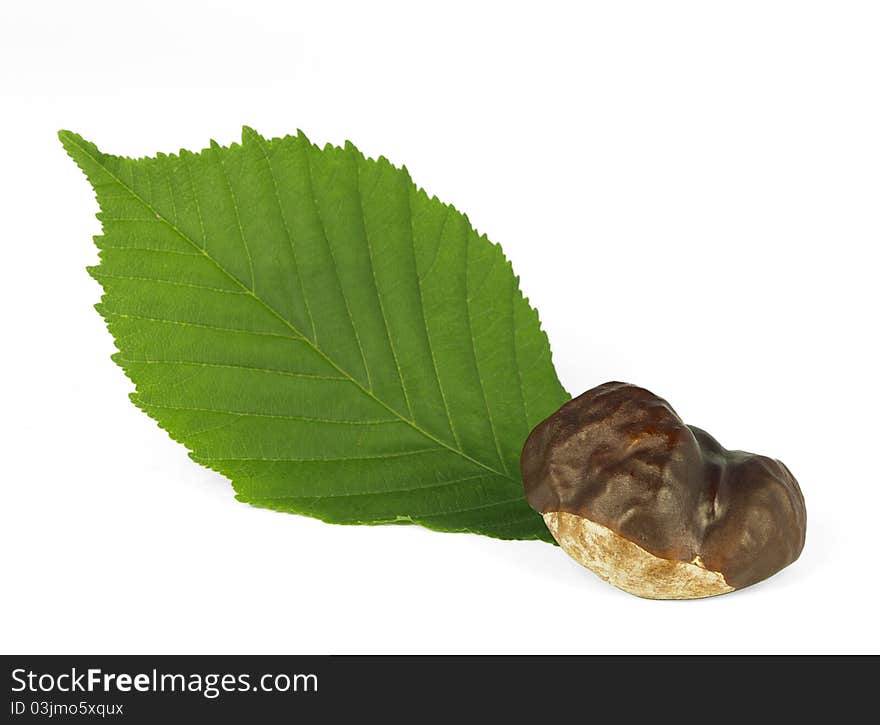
204 326
156 250
412 239
336 269
408 489
253 368
473 343
382 457
204 245
175 283
254 414
241 234
382 313
259 141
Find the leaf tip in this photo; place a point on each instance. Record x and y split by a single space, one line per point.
84 153
69 140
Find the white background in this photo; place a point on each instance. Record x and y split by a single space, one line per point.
689 191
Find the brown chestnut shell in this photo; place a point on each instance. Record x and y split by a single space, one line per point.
621 458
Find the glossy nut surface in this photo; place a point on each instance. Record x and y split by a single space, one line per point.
657 507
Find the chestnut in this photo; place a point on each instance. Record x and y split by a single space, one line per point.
656 507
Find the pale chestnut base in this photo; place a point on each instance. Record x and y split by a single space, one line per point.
628 566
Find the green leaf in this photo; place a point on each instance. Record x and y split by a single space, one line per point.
316 328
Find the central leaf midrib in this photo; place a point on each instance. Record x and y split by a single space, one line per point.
413 424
